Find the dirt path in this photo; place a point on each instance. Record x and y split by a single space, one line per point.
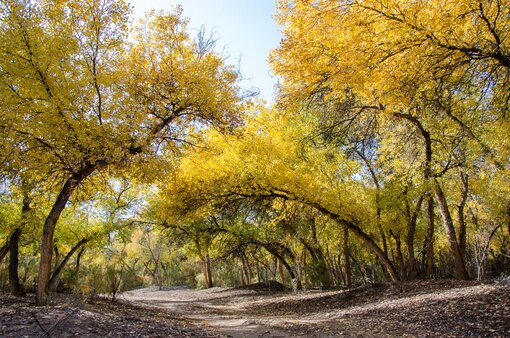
414 309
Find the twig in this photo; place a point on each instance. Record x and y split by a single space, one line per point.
38 323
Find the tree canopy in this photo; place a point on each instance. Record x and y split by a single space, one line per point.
130 152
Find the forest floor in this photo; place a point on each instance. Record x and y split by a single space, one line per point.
417 309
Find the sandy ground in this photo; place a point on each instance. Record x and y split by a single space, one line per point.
413 309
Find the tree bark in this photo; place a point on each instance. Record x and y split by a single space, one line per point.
16 287
43 278
398 251
460 267
208 275
4 250
55 277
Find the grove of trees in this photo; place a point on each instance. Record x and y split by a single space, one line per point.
130 155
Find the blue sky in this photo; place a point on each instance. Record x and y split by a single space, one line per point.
244 30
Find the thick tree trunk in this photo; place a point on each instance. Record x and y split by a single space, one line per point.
460 268
429 241
16 287
43 278
55 277
346 260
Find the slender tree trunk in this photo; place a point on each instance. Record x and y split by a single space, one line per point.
357 231
55 277
460 215
78 260
320 265
242 273
369 242
208 275
43 278
377 199
460 267
398 250
4 250
346 254
411 231
16 287
429 241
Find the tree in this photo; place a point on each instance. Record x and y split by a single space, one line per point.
440 68
80 96
269 160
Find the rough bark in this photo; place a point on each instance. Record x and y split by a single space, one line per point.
16 287
43 278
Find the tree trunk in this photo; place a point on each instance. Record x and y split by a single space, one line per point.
429 241
369 242
398 250
460 215
320 267
55 277
78 259
4 250
242 273
347 261
208 275
460 268
411 230
16 287
43 278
